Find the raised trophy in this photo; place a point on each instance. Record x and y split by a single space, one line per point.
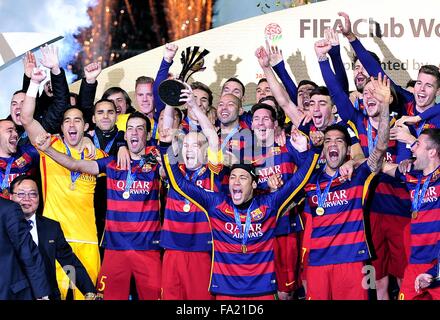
192 59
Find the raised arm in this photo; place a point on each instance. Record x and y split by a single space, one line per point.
87 91
381 91
370 64
162 74
292 188
208 128
335 55
280 94
277 62
43 142
339 97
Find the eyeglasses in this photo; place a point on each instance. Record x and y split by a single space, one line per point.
22 195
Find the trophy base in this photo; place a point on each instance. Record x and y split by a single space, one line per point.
169 92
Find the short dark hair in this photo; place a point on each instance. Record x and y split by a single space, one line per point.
410 83
339 128
305 82
281 116
265 106
76 96
375 57
247 167
18 180
434 137
203 87
321 90
19 91
431 70
113 90
261 80
138 114
104 100
71 108
233 79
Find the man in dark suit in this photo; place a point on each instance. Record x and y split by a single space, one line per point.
23 275
49 237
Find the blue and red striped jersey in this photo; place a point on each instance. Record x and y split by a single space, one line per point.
25 161
133 223
338 236
425 227
278 160
234 272
189 230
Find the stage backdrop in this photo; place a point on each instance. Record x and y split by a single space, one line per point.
403 35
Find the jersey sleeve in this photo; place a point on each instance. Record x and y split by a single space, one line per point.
338 66
103 163
286 80
293 189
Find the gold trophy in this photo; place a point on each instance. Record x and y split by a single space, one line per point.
192 59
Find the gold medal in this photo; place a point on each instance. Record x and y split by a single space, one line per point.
243 248
126 195
72 186
186 207
414 214
5 193
320 211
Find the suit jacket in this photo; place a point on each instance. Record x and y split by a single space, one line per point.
54 247
23 275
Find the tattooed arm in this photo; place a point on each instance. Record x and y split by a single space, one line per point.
382 93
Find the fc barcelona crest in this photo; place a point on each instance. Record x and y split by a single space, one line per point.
257 214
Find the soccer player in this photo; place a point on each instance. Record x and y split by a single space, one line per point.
186 234
422 181
132 228
335 229
68 195
390 206
243 227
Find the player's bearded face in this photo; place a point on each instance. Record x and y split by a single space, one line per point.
371 103
420 153
335 149
263 124
360 76
136 135
73 127
241 186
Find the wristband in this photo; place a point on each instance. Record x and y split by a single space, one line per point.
322 58
32 90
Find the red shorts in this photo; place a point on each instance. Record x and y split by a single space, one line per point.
286 262
185 275
407 289
265 297
119 266
389 241
336 282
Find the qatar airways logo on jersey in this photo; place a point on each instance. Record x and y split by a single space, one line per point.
430 195
237 233
138 187
333 199
265 173
389 157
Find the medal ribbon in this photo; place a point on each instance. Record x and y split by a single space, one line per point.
4 181
371 143
194 176
131 175
107 147
247 223
418 198
323 195
420 129
229 137
74 175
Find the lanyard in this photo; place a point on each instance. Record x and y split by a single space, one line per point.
153 136
229 137
107 147
131 176
417 201
420 128
74 175
194 177
371 143
5 181
246 226
323 195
